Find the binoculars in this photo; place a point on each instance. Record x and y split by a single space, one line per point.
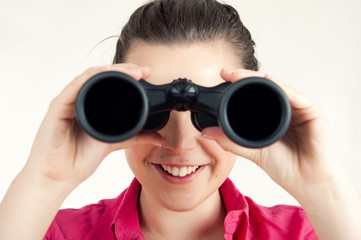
112 107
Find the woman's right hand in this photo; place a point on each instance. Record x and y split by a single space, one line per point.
62 156
62 151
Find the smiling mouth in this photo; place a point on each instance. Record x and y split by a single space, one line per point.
179 171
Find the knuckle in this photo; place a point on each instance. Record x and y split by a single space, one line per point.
90 70
125 65
54 102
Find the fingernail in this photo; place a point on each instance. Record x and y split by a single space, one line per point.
146 68
208 136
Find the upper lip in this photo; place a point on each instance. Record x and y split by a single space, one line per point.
178 164
166 158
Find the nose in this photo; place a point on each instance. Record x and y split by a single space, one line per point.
179 133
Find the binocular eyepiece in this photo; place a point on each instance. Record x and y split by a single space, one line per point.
112 107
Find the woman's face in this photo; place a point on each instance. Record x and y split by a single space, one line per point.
184 149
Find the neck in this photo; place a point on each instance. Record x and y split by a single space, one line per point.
205 221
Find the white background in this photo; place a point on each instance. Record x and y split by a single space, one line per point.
314 46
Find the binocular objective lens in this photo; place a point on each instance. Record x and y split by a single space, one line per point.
254 112
113 107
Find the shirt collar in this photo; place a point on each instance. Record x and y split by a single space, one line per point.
126 221
236 221
232 198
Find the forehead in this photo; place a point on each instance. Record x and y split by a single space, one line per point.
200 62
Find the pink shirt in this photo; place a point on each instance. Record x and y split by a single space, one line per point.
118 219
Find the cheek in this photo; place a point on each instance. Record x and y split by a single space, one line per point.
136 158
223 160
223 166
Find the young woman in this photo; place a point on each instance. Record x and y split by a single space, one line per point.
205 41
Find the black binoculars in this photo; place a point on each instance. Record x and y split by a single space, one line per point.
112 107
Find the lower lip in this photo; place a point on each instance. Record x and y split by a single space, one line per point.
178 180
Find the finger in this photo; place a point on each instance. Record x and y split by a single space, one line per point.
216 134
68 95
238 74
152 138
297 99
303 108
63 104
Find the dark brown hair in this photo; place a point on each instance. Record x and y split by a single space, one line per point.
182 21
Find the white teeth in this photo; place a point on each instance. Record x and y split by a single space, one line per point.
183 172
179 172
175 171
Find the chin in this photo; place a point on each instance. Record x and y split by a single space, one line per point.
184 199
182 205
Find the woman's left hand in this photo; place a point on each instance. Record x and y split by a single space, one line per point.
306 163
305 155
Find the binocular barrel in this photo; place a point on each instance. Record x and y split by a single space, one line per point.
112 107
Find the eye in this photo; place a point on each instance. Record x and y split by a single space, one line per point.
201 121
156 122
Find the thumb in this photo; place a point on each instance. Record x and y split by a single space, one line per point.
216 134
151 138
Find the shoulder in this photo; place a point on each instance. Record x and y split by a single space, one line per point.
77 223
286 212
284 221
249 220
